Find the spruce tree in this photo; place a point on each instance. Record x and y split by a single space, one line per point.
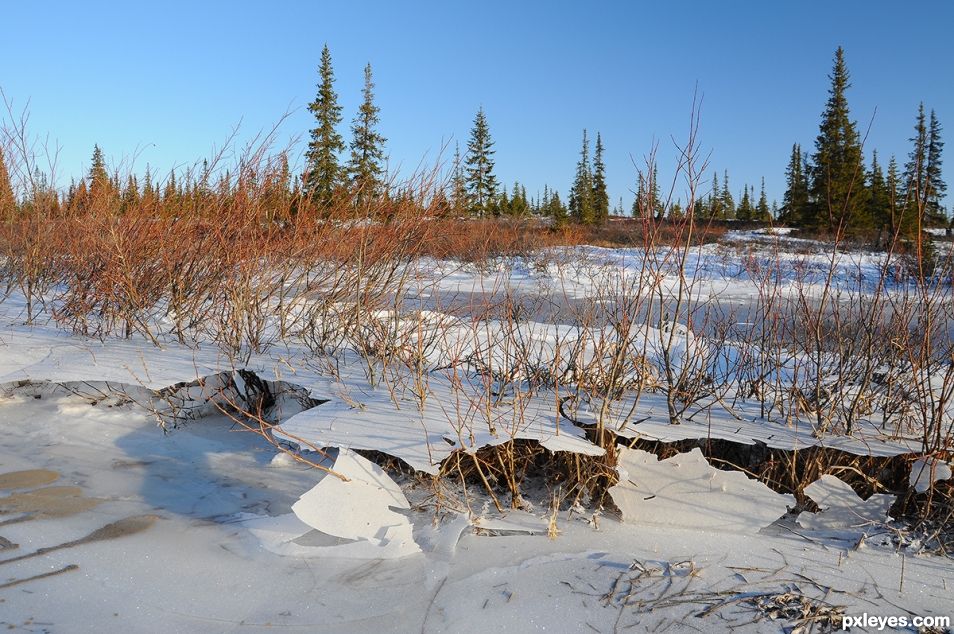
896 202
647 203
639 202
600 196
582 208
879 201
795 205
935 187
149 198
323 173
100 188
170 195
367 147
7 200
676 212
915 186
458 185
727 202
501 205
97 172
838 194
557 210
481 182
518 204
714 211
745 210
762 211
655 202
130 196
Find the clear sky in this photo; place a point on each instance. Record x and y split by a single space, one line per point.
168 81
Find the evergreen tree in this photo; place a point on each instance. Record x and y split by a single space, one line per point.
97 172
518 205
655 202
915 186
458 184
715 211
557 210
639 203
647 203
100 187
170 195
367 147
795 205
42 196
130 197
77 198
762 211
582 208
745 211
481 182
838 194
8 202
600 196
676 212
896 203
727 202
149 198
935 187
879 201
917 161
700 208
278 190
323 173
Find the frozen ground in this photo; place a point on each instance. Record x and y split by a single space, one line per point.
208 564
225 532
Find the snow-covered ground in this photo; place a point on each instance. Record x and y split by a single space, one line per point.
221 530
225 552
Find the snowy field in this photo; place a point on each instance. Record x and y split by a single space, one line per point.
311 483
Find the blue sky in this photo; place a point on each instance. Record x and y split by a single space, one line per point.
166 82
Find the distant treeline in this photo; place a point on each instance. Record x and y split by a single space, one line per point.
829 191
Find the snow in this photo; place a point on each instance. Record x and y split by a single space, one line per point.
228 552
248 537
357 501
840 507
686 491
926 470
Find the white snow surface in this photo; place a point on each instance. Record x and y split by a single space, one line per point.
840 507
228 554
927 470
686 490
361 508
247 540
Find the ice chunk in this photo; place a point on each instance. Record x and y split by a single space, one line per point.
685 491
840 507
926 471
360 509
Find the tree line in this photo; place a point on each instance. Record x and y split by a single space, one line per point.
833 191
829 191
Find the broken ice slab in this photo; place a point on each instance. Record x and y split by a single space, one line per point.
685 491
840 507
